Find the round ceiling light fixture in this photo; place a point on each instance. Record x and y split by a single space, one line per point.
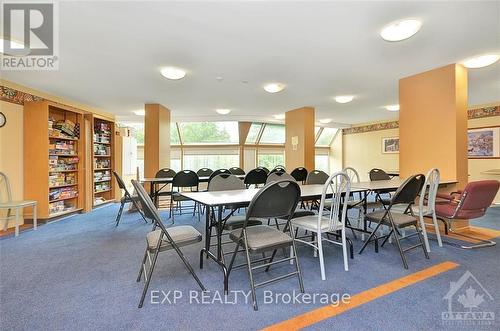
480 61
400 30
274 87
140 112
325 120
279 116
392 107
173 73
223 111
344 98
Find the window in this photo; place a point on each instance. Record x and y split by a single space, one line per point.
209 133
174 134
273 134
253 133
326 137
270 158
215 158
322 160
175 159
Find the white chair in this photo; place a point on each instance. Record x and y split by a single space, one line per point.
329 219
358 202
6 202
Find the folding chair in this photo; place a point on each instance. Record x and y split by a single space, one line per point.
274 200
163 239
405 194
127 198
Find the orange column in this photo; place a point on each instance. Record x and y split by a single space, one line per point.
433 123
299 143
156 139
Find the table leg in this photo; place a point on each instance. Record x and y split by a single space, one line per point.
206 250
219 234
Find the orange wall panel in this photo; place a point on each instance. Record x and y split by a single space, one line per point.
433 123
300 123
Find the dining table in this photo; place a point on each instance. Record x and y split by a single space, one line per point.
218 199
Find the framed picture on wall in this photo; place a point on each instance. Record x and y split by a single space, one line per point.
484 143
390 145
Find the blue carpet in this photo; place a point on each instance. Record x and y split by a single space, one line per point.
79 274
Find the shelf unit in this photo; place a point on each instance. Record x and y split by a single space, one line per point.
103 161
54 155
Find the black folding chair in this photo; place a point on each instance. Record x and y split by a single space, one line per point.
127 198
263 168
257 176
185 179
204 172
300 174
237 171
163 239
218 172
278 168
275 200
162 173
379 174
405 195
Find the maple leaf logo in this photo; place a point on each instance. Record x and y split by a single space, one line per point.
470 299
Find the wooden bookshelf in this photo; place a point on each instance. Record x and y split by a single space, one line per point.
103 161
54 155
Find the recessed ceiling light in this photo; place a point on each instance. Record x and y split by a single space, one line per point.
400 30
173 73
392 107
344 98
274 87
223 111
140 112
279 116
325 120
481 61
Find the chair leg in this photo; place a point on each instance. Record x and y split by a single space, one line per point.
344 251
250 275
150 273
142 265
136 205
233 258
436 229
189 267
422 242
403 257
319 242
374 232
297 266
424 232
119 216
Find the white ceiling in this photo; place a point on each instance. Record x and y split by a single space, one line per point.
111 52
